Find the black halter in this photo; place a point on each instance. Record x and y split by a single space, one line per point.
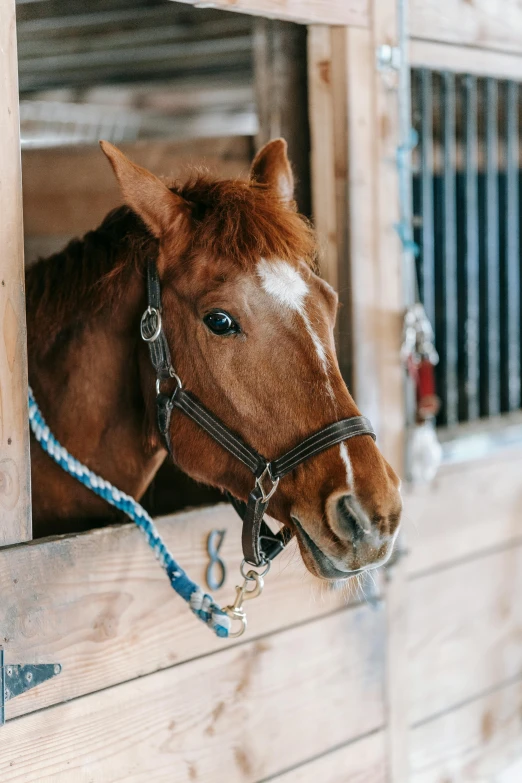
259 543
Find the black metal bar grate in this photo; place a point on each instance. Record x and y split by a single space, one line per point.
466 191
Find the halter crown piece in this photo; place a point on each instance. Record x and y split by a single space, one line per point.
260 544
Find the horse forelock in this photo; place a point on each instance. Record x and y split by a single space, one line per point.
243 221
236 221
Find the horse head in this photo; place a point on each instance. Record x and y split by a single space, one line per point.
250 327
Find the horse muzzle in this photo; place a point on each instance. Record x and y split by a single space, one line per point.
350 543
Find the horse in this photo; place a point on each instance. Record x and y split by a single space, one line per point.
250 327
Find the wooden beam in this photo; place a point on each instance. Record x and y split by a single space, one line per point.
15 492
389 312
486 24
332 12
461 59
362 260
464 631
365 122
68 191
321 112
240 716
398 677
99 603
280 77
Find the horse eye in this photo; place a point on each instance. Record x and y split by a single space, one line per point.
221 323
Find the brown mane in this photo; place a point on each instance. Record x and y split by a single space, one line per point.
231 219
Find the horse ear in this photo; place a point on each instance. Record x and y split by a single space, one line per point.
144 193
271 167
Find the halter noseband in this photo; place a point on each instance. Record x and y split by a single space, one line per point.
259 543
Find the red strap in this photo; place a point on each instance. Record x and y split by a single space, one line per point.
428 404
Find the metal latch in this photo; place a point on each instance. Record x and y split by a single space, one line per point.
17 678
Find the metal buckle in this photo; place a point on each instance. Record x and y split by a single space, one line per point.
235 611
150 311
259 483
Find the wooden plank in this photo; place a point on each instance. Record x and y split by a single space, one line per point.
464 631
342 195
68 191
482 23
332 12
469 508
280 76
15 491
362 260
100 605
479 741
478 62
321 109
388 313
350 212
375 285
235 717
363 761
397 673
389 305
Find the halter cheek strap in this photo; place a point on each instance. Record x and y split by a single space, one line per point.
259 543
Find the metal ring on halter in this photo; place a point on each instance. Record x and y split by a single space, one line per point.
259 482
172 375
148 312
267 565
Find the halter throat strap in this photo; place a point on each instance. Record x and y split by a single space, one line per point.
259 543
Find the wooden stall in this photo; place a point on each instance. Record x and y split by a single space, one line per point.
421 684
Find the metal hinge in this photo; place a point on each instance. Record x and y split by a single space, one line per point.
17 678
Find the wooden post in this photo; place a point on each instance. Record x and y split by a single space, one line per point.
15 494
321 110
282 96
355 131
388 335
354 109
327 75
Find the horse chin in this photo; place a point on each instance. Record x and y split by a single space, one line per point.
317 562
320 565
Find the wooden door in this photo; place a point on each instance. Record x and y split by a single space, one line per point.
465 531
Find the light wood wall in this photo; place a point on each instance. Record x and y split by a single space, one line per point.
425 686
68 191
453 652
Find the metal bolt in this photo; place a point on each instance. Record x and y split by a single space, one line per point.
388 58
9 671
57 668
7 693
28 676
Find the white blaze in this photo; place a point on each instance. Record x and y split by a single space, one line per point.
284 283
348 465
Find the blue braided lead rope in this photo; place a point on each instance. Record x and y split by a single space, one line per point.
202 604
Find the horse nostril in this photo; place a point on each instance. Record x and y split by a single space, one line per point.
351 518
